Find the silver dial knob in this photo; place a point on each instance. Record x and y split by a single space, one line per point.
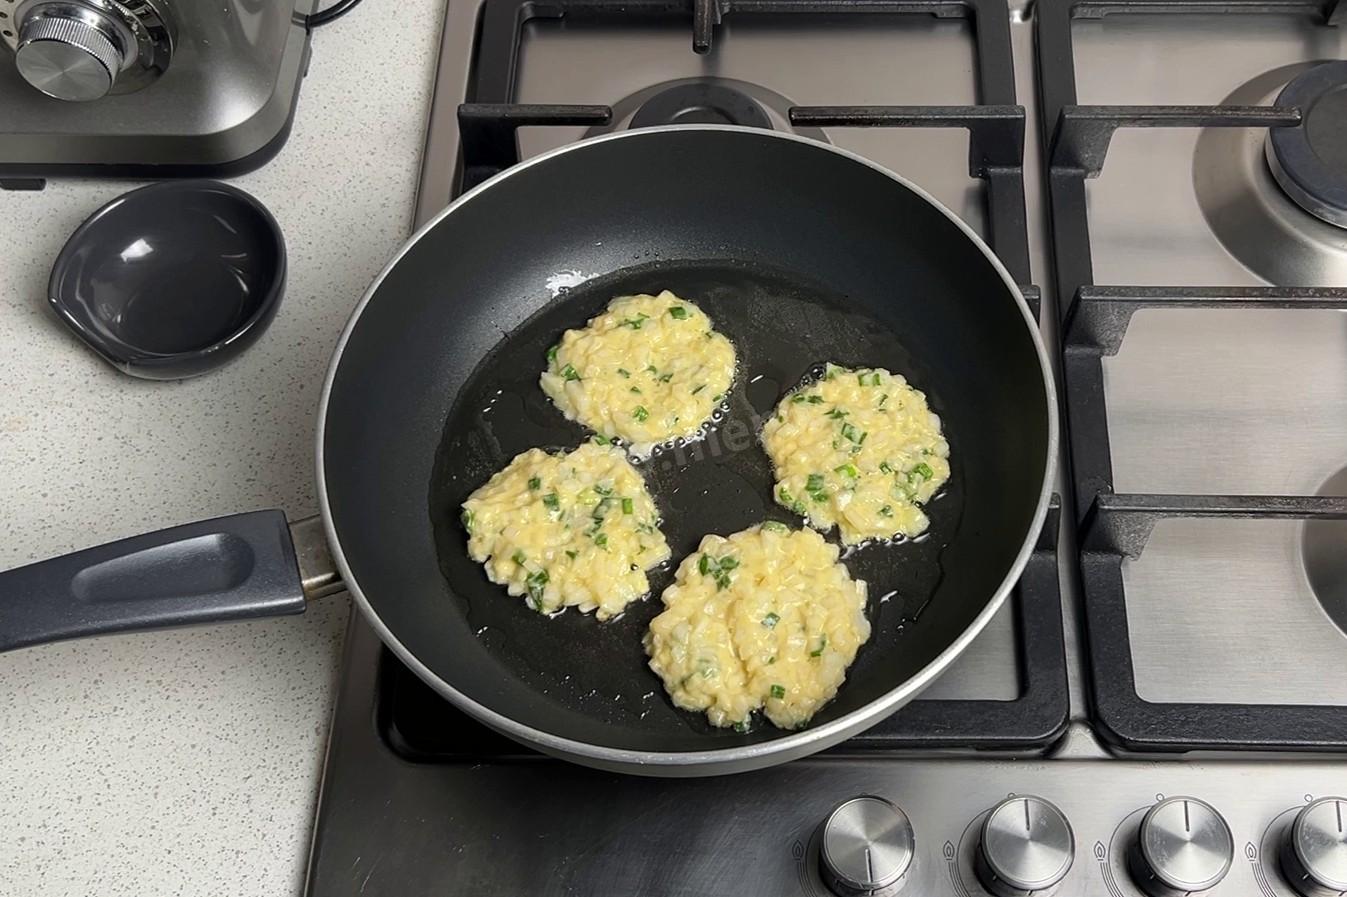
866 848
1182 846
1314 854
1025 848
68 56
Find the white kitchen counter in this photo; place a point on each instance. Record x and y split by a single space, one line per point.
187 762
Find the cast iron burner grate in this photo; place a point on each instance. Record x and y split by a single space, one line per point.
418 723
1094 320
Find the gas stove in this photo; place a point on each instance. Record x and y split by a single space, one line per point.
1160 709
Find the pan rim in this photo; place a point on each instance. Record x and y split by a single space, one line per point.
727 759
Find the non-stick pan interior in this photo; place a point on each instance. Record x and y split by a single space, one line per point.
801 256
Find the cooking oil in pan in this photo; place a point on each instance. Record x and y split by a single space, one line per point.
784 331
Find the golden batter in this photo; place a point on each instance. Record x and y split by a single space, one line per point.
647 370
572 529
858 449
767 618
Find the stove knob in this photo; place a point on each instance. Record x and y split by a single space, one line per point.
1025 848
866 847
1314 854
1183 846
67 55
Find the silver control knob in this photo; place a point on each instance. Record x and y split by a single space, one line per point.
866 847
67 56
1183 846
1314 854
1025 848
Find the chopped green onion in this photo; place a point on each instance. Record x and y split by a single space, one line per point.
886 511
602 440
518 557
814 486
628 506
601 540
536 582
636 389
704 565
775 526
551 502
552 355
624 372
572 554
847 470
882 399
636 322
535 483
717 397
741 727
652 369
778 691
569 373
601 489
771 620
885 467
797 399
771 660
790 501
823 643
640 413
466 517
678 312
830 371
849 432
837 414
924 471
815 400
699 389
665 378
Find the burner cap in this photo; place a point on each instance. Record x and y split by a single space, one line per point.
701 103
1310 162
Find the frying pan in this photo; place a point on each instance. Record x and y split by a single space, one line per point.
802 253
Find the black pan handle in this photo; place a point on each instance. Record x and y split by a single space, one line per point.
232 568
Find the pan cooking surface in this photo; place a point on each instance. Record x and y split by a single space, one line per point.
783 328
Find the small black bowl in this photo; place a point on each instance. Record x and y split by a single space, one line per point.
171 280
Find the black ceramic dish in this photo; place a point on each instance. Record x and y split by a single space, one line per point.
171 280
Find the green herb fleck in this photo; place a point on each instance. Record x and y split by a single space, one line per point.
775 526
678 312
552 355
778 691
847 470
636 389
602 440
850 432
467 517
814 399
837 414
601 489
783 495
572 554
628 506
814 486
551 502
771 660
886 511
569 373
795 400
885 467
640 413
699 389
741 727
536 582
830 371
771 620
601 540
665 378
924 471
535 483
624 372
717 568
652 369
636 322
822 643
882 399
518 557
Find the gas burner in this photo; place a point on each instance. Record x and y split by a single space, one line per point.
1310 162
705 100
1321 551
1245 206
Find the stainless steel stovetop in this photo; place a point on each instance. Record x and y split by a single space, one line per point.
1174 637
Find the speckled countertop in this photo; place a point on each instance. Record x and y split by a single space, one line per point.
187 762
